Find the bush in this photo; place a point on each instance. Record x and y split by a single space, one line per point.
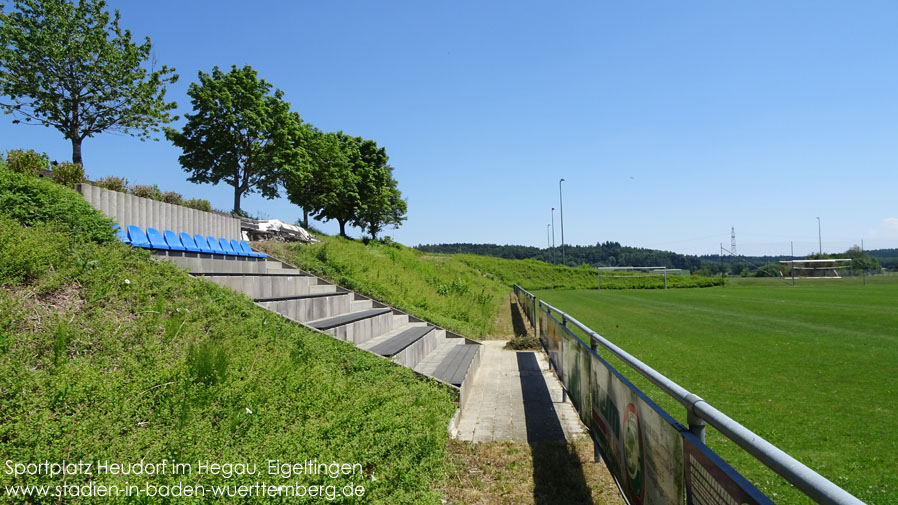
27 162
198 204
68 174
33 201
112 183
145 191
172 198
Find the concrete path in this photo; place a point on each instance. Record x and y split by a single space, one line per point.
515 397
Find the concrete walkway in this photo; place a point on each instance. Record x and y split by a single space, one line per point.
516 397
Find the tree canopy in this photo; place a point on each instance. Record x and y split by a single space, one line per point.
72 67
240 133
348 180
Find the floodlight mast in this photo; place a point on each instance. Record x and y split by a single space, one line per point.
561 208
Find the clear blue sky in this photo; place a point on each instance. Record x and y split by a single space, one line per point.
670 121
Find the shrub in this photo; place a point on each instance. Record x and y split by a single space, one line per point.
27 162
172 198
145 191
198 204
32 201
112 183
68 174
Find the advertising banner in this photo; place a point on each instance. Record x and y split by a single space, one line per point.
711 481
641 443
554 333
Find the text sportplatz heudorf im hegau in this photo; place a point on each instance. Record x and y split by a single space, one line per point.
227 470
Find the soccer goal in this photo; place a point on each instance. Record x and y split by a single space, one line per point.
637 276
818 269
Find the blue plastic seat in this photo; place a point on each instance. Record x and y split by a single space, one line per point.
157 241
121 234
173 241
238 249
249 250
189 243
138 237
203 244
226 247
214 245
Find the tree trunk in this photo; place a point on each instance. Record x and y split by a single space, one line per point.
76 151
342 227
305 219
237 193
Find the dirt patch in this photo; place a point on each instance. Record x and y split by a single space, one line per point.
513 473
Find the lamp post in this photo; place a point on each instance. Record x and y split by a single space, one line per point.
819 236
561 208
553 237
548 244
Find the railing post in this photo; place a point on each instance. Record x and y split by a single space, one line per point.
696 424
563 325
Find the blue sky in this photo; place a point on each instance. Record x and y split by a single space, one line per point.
670 121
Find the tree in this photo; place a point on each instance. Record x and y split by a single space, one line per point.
73 68
309 184
239 133
381 203
339 198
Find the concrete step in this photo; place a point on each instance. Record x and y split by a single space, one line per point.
410 346
266 286
309 307
199 263
356 327
358 305
454 367
429 364
323 288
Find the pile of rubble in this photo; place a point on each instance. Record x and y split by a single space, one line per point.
274 229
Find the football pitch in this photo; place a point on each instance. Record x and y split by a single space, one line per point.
811 368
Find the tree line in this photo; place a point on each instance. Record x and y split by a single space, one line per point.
614 254
72 67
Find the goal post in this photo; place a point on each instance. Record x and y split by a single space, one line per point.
817 269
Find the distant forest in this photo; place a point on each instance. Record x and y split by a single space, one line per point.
614 254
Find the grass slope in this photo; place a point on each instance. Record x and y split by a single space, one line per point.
438 288
810 368
106 354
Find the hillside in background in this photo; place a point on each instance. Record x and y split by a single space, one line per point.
614 254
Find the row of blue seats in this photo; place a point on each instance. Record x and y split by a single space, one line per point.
171 241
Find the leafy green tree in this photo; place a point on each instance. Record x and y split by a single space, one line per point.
240 133
381 203
308 185
71 66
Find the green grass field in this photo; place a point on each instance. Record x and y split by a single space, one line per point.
812 368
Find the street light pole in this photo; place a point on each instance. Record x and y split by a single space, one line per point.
548 244
554 262
819 236
561 208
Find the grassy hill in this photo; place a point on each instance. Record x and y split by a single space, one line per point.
106 354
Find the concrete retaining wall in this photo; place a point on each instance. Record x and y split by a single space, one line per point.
129 209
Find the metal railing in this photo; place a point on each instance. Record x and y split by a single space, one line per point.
700 412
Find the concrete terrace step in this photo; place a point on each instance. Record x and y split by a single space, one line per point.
454 367
429 364
398 343
268 286
311 306
333 322
356 327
